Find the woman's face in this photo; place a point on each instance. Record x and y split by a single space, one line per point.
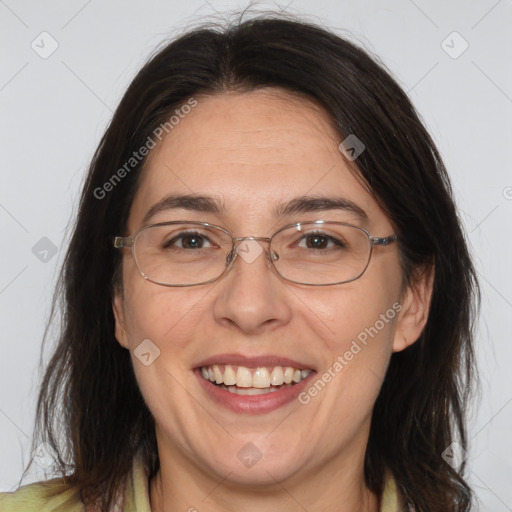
251 153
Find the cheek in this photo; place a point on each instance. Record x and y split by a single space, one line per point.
343 315
370 303
356 323
159 321
166 316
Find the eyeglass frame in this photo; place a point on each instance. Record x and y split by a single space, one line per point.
121 242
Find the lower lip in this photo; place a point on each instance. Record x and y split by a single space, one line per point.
252 404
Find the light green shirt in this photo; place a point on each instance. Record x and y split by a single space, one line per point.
53 496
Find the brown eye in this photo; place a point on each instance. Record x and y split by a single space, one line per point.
316 242
321 241
186 241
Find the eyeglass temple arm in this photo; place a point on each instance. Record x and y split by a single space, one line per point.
384 241
120 242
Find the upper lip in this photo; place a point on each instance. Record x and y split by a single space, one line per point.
268 360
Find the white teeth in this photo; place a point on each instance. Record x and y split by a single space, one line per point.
261 378
277 376
288 375
243 377
218 374
251 391
229 375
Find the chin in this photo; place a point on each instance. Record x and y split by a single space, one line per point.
252 466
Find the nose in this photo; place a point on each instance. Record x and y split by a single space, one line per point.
250 247
252 296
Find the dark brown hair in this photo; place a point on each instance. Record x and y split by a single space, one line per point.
90 409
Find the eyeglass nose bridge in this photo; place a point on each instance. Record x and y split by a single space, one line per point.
236 246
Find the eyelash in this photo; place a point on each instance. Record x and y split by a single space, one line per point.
304 236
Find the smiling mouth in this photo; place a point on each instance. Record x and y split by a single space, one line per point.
242 380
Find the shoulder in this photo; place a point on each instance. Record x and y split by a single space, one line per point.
390 501
52 495
58 496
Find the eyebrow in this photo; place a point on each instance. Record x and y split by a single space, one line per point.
192 202
302 204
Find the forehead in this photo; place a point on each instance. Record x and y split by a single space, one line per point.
251 152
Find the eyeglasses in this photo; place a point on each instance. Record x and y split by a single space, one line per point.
317 253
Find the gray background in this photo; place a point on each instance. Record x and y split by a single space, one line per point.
54 110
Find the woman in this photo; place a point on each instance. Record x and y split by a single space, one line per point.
268 297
